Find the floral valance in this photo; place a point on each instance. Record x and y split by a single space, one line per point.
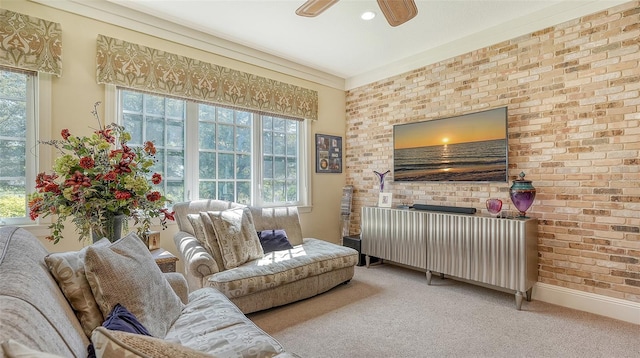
30 43
139 67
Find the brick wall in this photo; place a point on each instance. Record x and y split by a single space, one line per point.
572 93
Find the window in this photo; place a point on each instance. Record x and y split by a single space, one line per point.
211 152
17 142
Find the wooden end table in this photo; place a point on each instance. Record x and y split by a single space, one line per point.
165 260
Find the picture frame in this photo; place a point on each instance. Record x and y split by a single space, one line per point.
384 200
328 153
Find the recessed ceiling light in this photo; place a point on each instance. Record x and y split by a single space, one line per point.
368 15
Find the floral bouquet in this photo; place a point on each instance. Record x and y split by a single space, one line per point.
97 178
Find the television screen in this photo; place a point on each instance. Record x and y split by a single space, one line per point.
470 147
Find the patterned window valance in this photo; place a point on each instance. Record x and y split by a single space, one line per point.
138 67
30 43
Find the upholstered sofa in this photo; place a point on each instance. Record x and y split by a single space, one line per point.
261 280
36 316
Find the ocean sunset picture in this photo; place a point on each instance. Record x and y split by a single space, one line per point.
471 147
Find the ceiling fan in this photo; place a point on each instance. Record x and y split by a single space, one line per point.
397 12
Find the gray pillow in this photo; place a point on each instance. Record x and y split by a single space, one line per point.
237 236
126 273
68 270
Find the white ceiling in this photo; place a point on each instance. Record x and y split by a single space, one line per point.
338 43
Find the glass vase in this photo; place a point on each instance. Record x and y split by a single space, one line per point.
112 228
522 194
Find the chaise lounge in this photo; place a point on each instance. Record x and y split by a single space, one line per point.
257 280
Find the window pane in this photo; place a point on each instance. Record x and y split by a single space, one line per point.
267 167
207 165
225 115
175 134
133 125
279 145
225 137
153 105
175 164
207 135
14 129
175 108
279 170
244 193
174 191
132 101
267 142
243 170
243 118
207 189
225 191
243 139
226 167
155 131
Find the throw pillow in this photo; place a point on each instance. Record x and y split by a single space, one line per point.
14 349
110 343
202 227
126 273
120 319
274 240
285 218
67 268
237 236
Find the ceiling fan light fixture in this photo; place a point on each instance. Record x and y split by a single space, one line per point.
368 15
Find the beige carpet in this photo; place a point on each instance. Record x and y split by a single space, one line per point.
389 311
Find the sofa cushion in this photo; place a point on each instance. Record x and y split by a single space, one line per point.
211 241
68 270
236 235
285 218
274 240
126 273
211 323
281 267
109 343
14 349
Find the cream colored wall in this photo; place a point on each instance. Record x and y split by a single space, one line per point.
74 93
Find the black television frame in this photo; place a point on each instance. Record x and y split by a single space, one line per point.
482 159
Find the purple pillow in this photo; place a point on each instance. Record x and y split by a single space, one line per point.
274 240
120 319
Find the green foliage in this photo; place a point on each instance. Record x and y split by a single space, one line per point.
12 206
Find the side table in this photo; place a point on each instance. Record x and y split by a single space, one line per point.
165 260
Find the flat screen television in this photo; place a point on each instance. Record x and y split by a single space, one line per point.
470 147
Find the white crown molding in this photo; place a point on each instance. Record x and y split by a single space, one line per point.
112 13
622 310
554 15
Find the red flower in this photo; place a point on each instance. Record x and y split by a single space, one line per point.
77 180
106 134
35 205
65 134
42 179
122 195
156 178
87 162
149 148
154 196
50 238
168 215
52 188
110 176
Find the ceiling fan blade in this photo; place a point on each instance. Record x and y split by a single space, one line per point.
313 8
398 12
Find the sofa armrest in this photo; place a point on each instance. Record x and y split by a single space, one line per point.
179 285
198 262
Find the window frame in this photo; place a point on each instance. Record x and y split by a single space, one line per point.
191 171
38 157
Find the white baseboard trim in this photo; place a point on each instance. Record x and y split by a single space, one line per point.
589 302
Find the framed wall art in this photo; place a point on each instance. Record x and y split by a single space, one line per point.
328 154
384 200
